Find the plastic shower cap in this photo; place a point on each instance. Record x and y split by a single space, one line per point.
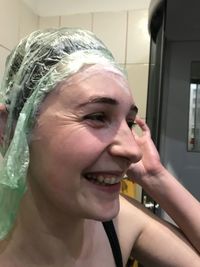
33 69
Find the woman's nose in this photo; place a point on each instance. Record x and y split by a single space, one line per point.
124 145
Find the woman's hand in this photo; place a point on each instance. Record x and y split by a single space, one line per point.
150 164
164 188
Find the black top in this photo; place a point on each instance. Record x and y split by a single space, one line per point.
114 242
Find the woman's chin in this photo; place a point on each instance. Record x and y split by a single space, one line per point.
105 213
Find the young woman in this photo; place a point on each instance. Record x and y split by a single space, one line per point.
67 140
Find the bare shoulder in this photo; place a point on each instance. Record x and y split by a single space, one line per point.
129 223
135 214
148 237
132 212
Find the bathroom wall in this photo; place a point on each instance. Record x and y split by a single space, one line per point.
16 21
126 35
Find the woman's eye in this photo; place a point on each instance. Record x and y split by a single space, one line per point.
99 117
131 123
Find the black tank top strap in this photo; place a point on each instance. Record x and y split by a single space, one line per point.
114 242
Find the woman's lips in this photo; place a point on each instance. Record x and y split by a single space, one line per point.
108 182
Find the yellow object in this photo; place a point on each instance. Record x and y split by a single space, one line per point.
128 188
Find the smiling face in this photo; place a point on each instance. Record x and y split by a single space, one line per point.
82 144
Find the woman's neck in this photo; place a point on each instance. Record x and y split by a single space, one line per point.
48 235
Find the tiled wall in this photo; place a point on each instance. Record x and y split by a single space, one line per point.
16 21
126 35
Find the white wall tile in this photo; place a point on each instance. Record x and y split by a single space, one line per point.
111 29
83 21
48 22
9 21
28 21
138 40
3 55
138 78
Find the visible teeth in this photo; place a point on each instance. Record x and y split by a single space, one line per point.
112 180
107 180
100 179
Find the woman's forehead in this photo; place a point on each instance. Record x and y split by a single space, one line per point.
98 76
94 83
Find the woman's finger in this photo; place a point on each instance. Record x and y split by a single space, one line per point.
143 126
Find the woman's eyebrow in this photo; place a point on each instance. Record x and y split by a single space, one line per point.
106 100
101 100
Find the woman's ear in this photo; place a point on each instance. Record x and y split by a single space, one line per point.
3 121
